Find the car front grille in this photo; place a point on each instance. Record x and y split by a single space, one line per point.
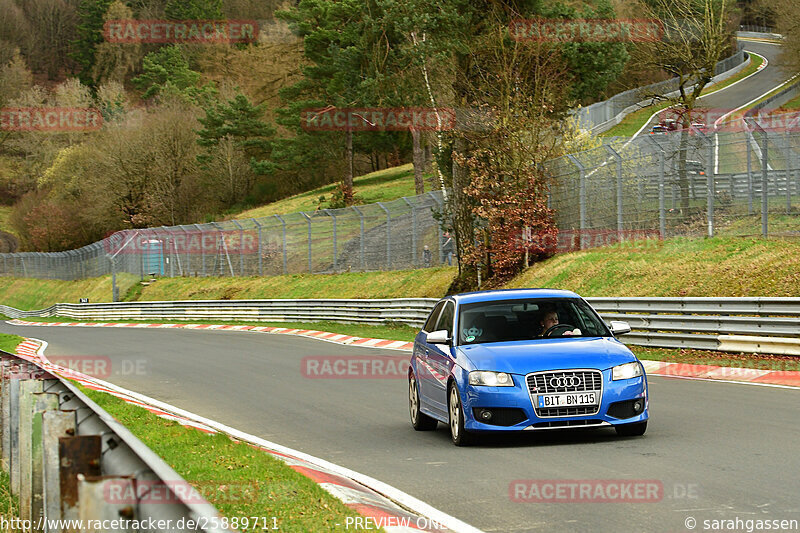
565 381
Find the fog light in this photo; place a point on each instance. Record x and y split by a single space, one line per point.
486 414
637 406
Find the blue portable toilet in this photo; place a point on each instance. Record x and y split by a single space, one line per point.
153 257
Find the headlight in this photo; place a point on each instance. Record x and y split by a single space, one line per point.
626 371
490 379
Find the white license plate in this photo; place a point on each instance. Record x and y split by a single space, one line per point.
568 400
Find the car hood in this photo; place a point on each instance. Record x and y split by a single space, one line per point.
523 357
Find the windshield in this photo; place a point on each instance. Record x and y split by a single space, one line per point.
535 318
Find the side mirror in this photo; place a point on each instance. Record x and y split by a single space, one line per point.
438 337
619 327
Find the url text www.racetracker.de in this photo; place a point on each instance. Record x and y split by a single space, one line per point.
252 523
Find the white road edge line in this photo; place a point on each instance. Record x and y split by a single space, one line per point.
396 495
729 113
774 385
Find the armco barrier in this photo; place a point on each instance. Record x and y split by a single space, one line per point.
64 454
688 322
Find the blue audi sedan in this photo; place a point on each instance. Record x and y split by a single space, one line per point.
523 360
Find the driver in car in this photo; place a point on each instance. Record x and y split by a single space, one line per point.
549 319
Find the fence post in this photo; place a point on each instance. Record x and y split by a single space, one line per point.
335 249
749 148
283 227
388 236
413 231
582 196
241 247
615 154
764 184
361 237
438 229
202 250
308 220
260 254
710 185
787 173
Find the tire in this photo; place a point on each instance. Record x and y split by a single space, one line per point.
636 429
459 435
419 420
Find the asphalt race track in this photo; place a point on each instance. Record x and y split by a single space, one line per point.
719 450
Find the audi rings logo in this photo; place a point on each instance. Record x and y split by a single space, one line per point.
565 381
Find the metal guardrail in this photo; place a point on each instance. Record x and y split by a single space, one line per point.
691 322
67 459
411 311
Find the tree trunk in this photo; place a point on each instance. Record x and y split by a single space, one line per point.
419 162
683 181
461 213
348 175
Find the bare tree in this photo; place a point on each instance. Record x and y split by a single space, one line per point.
696 35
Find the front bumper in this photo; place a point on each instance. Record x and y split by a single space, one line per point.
518 397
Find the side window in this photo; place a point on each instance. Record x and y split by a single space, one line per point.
446 319
432 318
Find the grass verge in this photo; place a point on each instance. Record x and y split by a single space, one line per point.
381 186
722 266
421 283
239 480
29 293
8 343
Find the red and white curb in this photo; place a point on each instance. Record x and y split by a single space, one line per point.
322 335
785 378
380 504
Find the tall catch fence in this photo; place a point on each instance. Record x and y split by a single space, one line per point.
740 179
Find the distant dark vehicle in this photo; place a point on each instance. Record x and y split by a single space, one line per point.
695 167
669 123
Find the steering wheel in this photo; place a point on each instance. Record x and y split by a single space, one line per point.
563 327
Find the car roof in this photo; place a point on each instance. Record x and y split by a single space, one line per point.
511 294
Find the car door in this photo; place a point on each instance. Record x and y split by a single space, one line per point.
420 356
440 360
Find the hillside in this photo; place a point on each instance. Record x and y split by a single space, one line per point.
676 267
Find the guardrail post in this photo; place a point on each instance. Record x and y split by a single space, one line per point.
55 425
78 455
44 402
27 402
93 494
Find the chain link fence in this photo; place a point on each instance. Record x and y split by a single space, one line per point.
742 180
733 181
400 234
